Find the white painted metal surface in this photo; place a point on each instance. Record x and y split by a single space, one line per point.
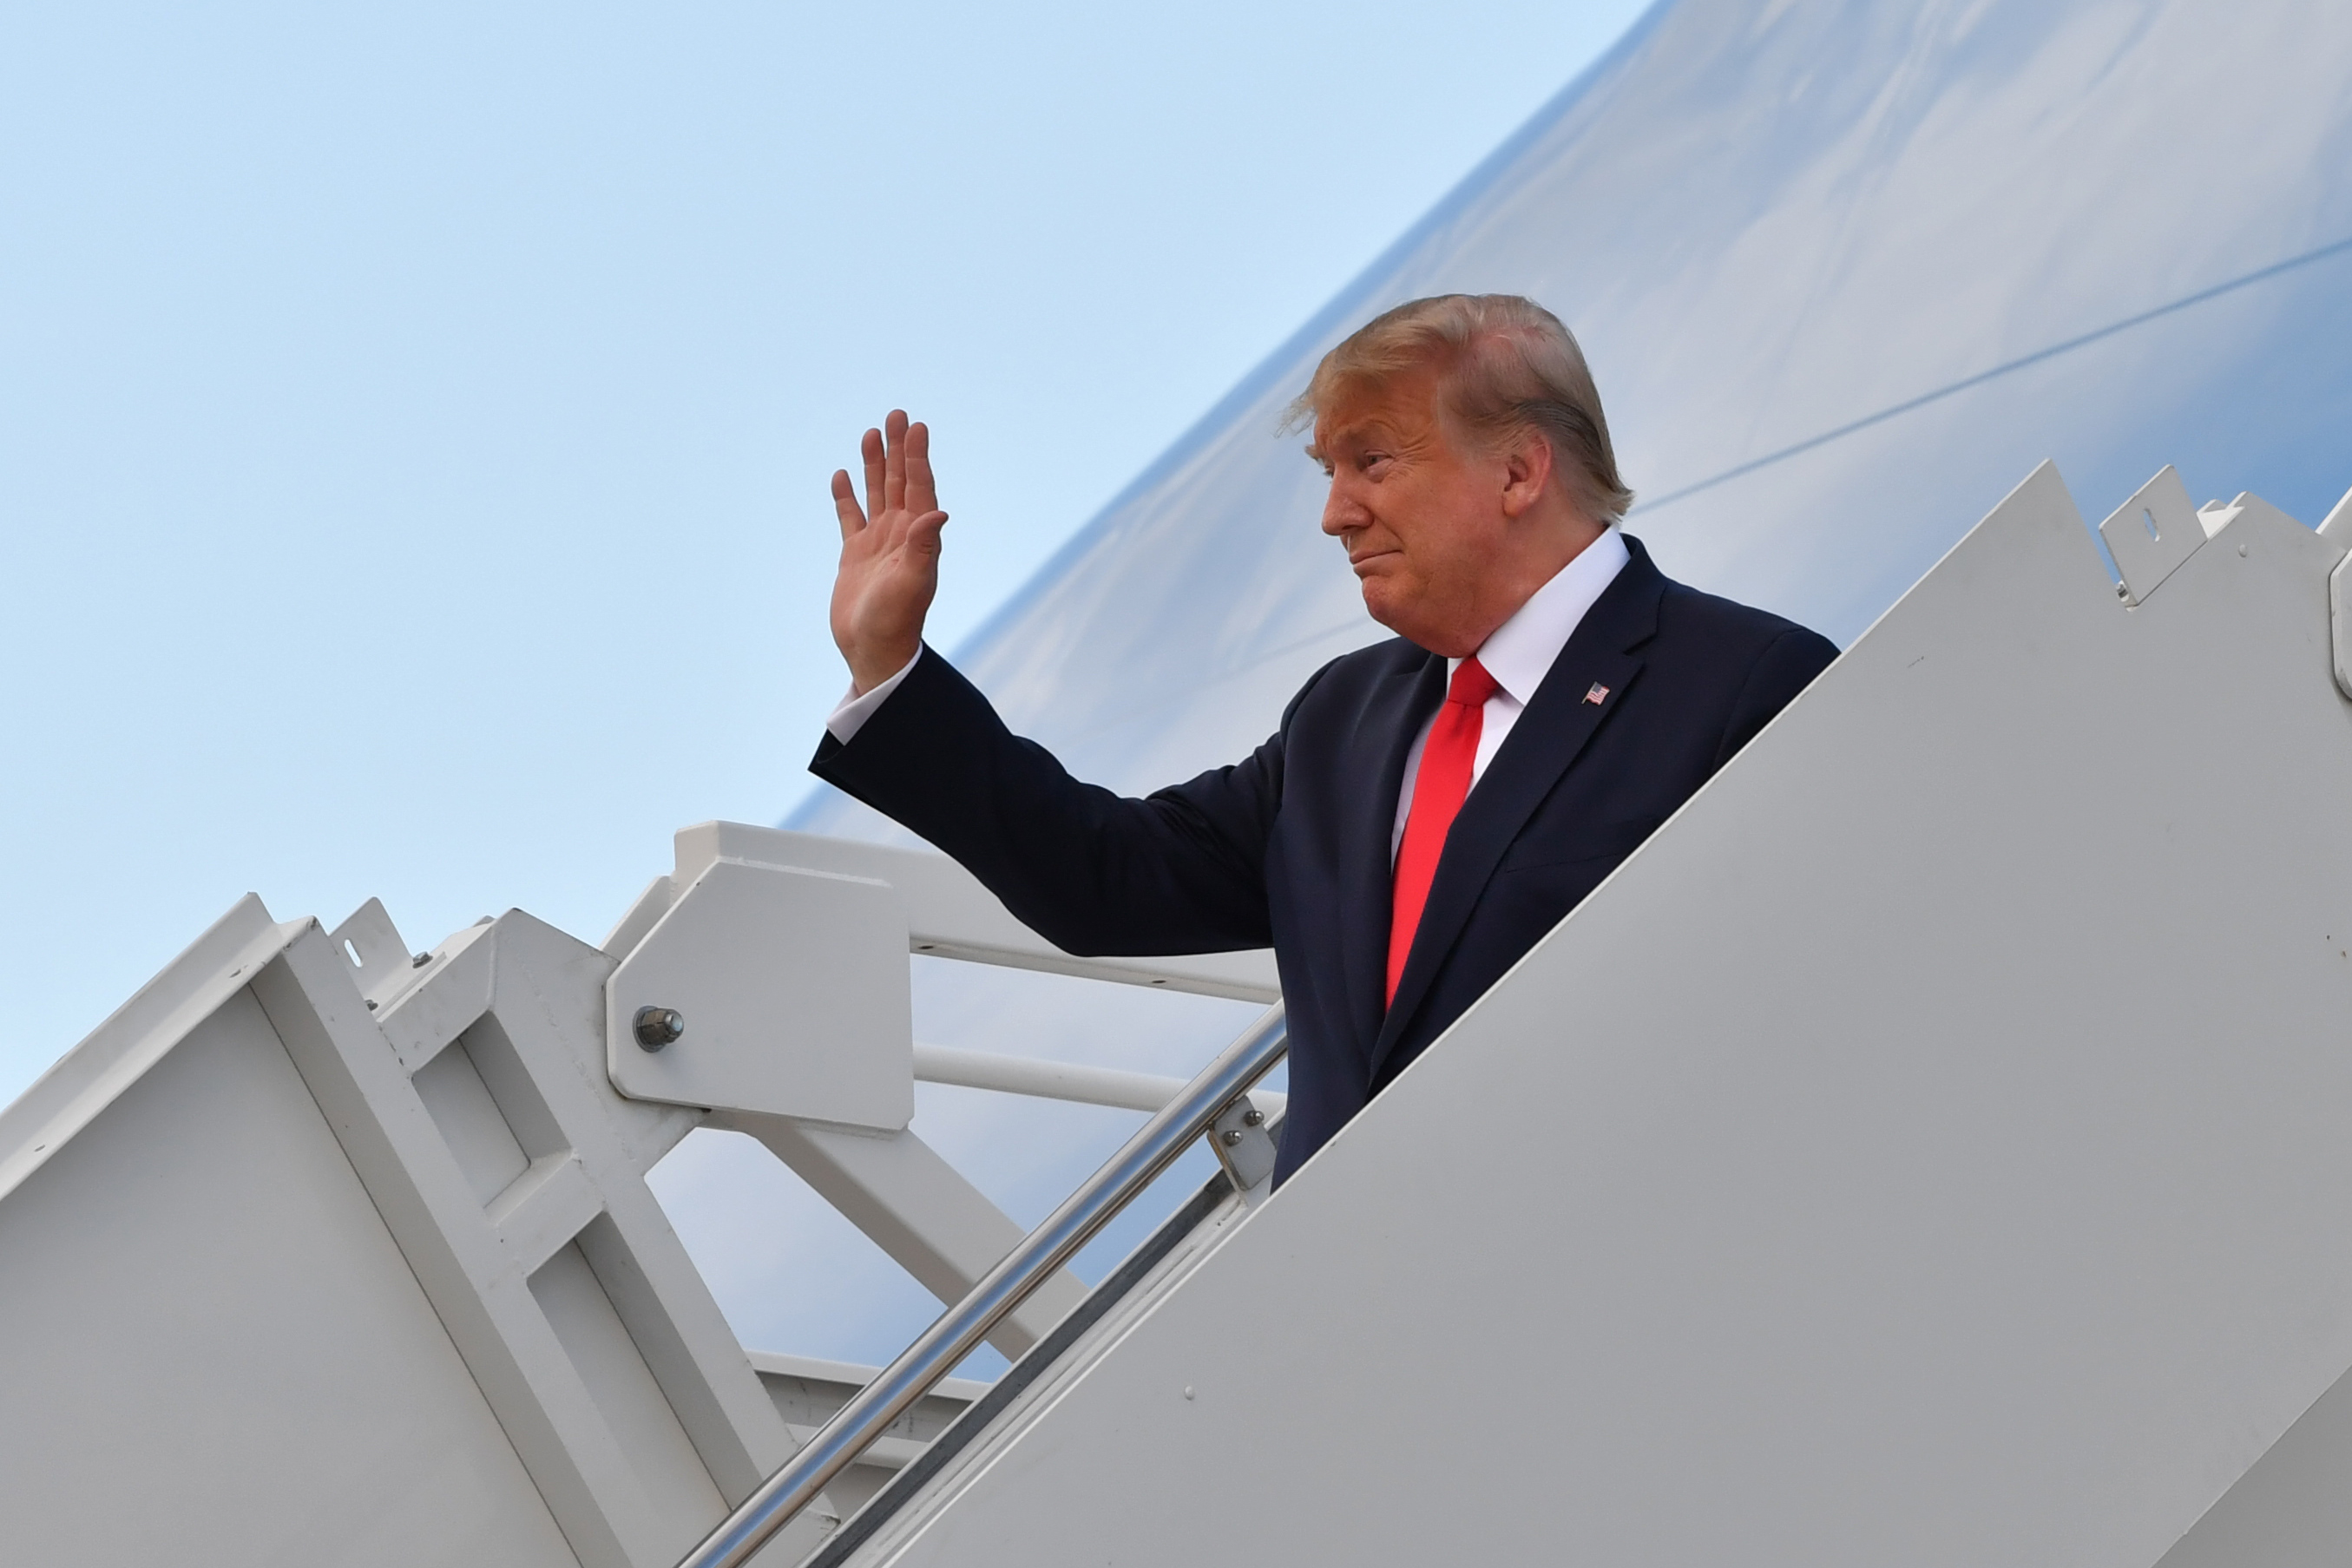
1218 1090
411 1267
2339 617
871 1539
2337 525
792 985
949 913
1044 1080
214 1352
2152 534
808 1390
917 1208
1069 1080
512 1177
360 1254
926 1216
1983 1205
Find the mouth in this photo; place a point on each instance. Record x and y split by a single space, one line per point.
1363 560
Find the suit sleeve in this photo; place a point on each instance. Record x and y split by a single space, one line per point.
1786 666
1095 874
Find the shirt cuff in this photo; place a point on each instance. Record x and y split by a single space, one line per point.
858 706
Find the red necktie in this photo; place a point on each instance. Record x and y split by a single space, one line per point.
1438 792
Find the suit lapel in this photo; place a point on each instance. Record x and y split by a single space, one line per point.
1547 739
1385 727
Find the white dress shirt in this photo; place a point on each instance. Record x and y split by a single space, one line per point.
1519 656
855 709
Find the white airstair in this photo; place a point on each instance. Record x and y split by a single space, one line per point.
1934 1145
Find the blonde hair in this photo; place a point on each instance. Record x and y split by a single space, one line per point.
1505 366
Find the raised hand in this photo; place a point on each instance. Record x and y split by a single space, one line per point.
890 552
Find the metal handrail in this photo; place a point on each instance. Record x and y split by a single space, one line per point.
961 1328
1068 1082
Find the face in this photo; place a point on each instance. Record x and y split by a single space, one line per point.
1428 525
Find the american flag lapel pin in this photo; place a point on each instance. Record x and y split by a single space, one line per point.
1597 695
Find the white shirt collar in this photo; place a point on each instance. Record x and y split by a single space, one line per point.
1521 651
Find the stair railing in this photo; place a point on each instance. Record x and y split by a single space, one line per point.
961 1330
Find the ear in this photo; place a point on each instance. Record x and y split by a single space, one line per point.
1527 472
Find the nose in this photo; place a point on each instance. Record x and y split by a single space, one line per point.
1342 513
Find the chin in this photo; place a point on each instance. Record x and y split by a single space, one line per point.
1398 618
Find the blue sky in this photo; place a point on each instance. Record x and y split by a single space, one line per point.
415 424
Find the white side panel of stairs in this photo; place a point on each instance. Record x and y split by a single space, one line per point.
212 1351
316 1253
2294 1509
1934 1146
321 1250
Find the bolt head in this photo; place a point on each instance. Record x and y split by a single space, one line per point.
657 1027
1232 1137
1253 1116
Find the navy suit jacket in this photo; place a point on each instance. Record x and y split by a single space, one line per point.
1289 847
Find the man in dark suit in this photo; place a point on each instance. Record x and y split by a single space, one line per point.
1431 805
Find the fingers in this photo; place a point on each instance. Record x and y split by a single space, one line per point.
923 491
894 465
845 504
898 480
923 533
871 450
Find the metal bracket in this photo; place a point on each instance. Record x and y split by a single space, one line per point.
1244 1145
2151 534
370 945
2340 624
770 989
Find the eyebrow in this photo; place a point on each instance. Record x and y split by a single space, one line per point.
1354 427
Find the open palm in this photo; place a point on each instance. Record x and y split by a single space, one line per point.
890 552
